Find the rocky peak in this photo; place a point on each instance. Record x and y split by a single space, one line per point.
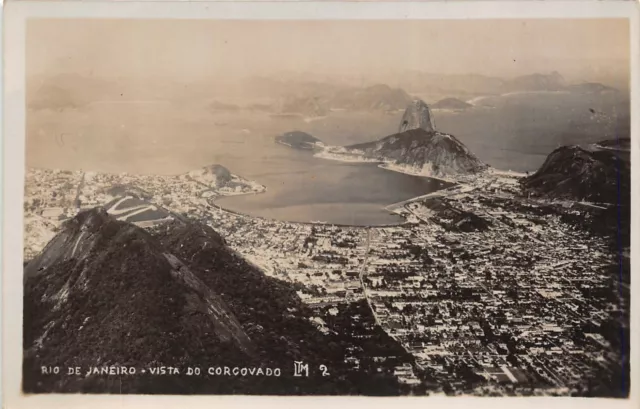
417 116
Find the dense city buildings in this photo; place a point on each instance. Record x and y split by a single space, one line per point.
489 291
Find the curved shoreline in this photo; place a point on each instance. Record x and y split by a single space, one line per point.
381 164
212 202
388 208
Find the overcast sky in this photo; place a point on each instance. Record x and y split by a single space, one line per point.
370 49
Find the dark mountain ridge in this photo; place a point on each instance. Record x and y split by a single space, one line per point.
575 173
107 293
104 292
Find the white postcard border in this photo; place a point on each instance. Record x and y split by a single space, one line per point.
16 15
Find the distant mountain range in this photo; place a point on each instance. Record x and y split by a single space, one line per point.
374 98
468 85
107 293
286 95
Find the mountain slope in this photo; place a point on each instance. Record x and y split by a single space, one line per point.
419 148
212 175
427 152
104 292
107 293
574 173
278 322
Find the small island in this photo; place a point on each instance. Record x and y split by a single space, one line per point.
451 104
299 140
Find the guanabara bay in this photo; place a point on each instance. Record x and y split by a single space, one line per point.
318 210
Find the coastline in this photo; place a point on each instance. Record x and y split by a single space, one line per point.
459 184
400 169
283 143
348 158
212 202
475 100
343 157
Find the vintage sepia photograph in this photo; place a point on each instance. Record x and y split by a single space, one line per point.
327 207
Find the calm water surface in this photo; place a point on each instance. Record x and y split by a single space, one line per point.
313 189
511 132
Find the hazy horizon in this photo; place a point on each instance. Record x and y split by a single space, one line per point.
364 52
184 104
